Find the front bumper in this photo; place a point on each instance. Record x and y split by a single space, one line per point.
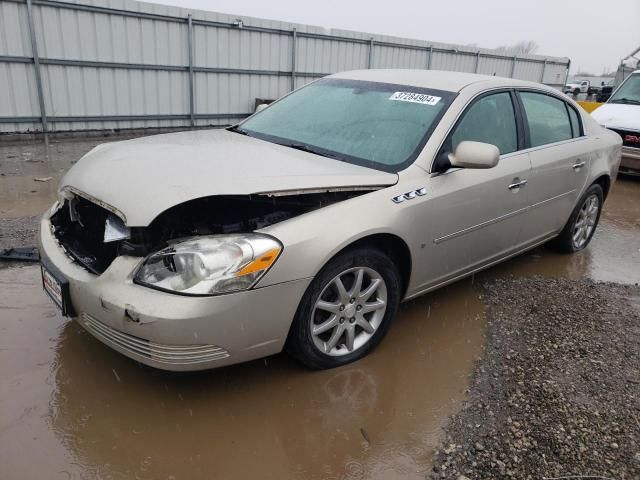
630 162
175 332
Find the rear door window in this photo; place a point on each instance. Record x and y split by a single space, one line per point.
547 117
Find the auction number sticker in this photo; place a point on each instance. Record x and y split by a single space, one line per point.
415 98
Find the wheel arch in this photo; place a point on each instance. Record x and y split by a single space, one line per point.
605 183
391 245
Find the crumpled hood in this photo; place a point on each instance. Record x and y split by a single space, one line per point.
618 115
142 178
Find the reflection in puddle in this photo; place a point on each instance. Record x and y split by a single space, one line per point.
98 414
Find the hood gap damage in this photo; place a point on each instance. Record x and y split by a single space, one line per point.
79 225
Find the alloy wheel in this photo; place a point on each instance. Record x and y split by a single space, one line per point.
348 311
585 221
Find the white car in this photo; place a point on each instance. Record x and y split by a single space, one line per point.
621 114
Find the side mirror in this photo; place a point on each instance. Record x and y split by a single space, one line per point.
474 155
261 107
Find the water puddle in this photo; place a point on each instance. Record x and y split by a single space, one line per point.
93 413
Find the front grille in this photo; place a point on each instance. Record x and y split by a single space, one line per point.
79 227
167 354
629 138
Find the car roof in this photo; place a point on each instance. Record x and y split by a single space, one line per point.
436 79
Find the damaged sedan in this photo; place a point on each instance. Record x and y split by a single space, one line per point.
303 227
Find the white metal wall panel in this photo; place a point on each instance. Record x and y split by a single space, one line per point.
225 48
14 30
555 75
236 93
21 99
315 55
113 125
81 91
528 70
76 35
393 57
88 92
500 67
18 95
454 62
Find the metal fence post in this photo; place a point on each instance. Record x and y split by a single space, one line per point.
544 68
430 56
566 77
370 62
36 66
191 86
293 59
475 70
513 65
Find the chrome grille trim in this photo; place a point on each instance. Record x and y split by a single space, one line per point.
167 354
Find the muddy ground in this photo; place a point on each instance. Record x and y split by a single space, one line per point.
83 411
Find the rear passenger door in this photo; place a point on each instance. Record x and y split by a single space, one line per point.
560 157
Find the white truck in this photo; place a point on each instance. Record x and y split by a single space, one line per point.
621 114
577 86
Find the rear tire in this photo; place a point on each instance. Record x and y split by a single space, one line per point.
582 223
334 326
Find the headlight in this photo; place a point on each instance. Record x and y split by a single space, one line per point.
210 265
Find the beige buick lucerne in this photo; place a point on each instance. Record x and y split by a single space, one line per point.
303 227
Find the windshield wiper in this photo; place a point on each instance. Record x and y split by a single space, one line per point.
238 129
308 148
629 101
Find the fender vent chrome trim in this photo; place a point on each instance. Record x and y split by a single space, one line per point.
420 192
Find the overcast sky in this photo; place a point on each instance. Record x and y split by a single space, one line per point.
595 34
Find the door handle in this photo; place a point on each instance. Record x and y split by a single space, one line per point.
579 164
517 184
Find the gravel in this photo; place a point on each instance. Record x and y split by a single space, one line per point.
557 393
19 232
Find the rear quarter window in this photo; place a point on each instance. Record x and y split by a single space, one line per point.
575 122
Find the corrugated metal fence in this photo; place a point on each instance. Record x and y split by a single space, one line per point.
124 64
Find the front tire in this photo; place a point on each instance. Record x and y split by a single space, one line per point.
583 221
346 311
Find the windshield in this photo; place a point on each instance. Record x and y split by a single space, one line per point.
378 125
628 92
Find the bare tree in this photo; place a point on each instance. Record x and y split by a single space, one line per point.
523 47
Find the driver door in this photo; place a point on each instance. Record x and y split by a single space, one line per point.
475 216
